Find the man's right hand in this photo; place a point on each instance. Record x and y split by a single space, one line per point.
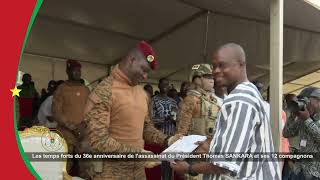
203 146
152 163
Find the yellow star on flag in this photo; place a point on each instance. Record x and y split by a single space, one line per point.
15 91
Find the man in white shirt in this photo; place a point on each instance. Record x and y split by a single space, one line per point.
45 114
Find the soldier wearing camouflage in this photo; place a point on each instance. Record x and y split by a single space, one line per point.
117 119
199 108
68 103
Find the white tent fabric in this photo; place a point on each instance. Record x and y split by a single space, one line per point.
44 69
182 32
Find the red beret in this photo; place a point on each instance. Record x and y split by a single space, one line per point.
148 53
73 64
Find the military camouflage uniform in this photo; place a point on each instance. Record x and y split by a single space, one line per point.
106 133
198 111
68 103
198 114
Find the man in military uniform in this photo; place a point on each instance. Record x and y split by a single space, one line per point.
68 104
199 109
117 116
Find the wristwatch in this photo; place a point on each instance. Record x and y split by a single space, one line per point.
190 172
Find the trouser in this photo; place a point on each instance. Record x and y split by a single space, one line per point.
72 142
290 174
121 170
166 171
87 167
74 166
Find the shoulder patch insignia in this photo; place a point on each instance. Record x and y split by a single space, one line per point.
197 66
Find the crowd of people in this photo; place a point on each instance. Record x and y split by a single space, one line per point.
219 102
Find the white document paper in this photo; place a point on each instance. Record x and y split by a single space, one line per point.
185 144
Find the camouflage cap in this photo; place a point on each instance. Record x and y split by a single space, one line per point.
200 70
306 92
315 93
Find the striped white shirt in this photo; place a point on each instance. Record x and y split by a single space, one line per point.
243 127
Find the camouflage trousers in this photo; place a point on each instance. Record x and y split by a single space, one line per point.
121 170
75 146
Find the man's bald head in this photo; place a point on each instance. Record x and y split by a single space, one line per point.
234 50
229 65
135 66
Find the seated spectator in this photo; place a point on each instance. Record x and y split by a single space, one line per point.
50 89
45 111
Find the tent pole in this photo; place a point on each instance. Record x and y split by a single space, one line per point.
53 69
253 19
276 70
205 46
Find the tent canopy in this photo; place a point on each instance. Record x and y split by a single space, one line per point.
183 33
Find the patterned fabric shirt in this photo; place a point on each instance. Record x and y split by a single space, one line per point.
309 131
243 127
161 110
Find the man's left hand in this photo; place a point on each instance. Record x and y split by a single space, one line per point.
204 146
303 115
181 167
151 164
